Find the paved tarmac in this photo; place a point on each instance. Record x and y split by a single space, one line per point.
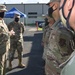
32 55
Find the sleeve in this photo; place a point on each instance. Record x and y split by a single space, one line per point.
10 26
44 32
3 35
22 26
65 42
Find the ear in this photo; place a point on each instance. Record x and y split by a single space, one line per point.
70 2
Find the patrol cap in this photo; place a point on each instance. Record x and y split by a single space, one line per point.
52 1
2 8
17 15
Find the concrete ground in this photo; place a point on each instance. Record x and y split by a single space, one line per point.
32 54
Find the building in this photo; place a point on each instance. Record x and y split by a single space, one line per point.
34 12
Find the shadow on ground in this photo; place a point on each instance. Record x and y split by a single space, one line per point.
35 63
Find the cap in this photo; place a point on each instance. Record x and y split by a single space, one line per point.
52 1
17 15
2 8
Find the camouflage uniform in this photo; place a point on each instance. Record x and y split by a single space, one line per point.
59 48
45 39
4 43
16 41
44 28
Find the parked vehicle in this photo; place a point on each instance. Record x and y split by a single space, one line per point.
41 24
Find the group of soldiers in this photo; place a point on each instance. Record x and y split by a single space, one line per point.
59 38
11 39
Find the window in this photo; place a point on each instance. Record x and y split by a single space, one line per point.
32 14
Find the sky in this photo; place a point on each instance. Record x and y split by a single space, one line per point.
23 1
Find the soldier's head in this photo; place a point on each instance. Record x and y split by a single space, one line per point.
50 17
16 17
2 10
67 12
54 5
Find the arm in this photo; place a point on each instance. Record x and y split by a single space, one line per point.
3 35
22 25
11 32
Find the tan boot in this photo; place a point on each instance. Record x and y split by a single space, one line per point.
20 63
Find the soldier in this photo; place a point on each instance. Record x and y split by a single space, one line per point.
46 23
67 13
47 34
59 42
44 33
16 40
4 41
45 27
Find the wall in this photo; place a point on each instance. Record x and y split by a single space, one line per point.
40 9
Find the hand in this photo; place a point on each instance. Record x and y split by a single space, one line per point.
12 33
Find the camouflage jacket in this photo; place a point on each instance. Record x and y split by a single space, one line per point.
59 44
47 34
4 38
18 28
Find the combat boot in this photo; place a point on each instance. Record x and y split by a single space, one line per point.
20 65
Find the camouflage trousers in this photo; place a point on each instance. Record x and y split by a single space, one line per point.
3 64
51 66
15 45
